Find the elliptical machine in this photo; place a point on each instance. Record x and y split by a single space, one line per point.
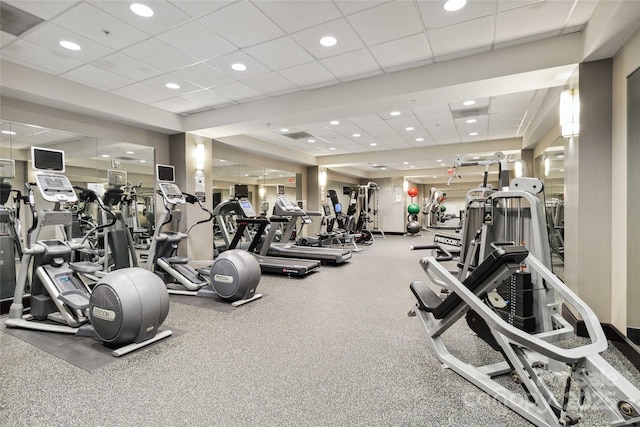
124 309
233 276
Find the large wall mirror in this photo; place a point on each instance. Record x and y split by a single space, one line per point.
88 161
550 168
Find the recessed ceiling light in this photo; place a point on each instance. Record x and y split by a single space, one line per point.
469 102
453 5
405 163
246 174
419 139
8 132
356 135
328 41
222 161
141 10
439 160
332 148
375 165
561 170
311 140
334 122
284 130
561 156
173 85
69 45
476 158
412 166
105 155
238 66
373 144
471 120
383 168
473 133
409 128
394 113
143 161
130 152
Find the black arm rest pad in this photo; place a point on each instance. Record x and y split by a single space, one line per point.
427 299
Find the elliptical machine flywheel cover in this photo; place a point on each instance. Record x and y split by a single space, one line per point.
235 275
128 306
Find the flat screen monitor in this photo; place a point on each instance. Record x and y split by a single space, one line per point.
47 159
165 173
338 208
116 177
280 189
241 191
327 210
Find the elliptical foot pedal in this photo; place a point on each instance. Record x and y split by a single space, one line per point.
245 301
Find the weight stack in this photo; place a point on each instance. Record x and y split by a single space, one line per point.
517 292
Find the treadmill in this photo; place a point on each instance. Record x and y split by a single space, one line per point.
247 215
288 213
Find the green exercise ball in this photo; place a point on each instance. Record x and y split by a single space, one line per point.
413 209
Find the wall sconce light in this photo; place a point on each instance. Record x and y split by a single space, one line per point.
200 157
405 185
322 179
569 113
262 192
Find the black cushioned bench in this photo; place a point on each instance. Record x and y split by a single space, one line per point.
429 301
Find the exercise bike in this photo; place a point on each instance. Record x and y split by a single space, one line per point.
124 309
233 277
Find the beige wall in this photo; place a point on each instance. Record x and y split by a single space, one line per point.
624 63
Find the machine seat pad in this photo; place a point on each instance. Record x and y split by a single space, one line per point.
508 256
76 299
427 299
178 260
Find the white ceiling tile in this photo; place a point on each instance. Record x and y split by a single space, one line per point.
504 5
203 75
349 7
97 77
407 50
308 74
223 64
581 13
43 9
434 15
128 67
270 84
242 24
198 8
530 20
386 22
237 91
49 36
95 23
351 64
198 41
462 37
280 53
177 105
165 15
160 82
142 93
348 40
207 98
159 54
366 119
35 56
430 108
294 16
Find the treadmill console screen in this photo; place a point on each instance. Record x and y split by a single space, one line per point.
247 209
172 193
55 187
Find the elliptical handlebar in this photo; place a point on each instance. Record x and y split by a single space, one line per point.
190 198
92 196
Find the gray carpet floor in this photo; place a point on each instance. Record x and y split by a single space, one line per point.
333 349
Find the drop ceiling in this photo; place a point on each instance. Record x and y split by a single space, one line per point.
292 82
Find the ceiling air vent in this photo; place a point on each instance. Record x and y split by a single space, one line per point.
470 112
378 166
298 135
16 21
